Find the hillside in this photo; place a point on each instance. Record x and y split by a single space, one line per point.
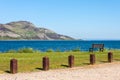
23 30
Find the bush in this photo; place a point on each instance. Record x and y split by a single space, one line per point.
50 50
76 50
58 50
26 50
11 51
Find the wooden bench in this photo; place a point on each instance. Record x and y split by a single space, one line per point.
100 46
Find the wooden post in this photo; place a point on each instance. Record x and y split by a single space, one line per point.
110 57
13 66
45 63
92 59
71 61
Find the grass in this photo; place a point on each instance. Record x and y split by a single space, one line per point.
29 62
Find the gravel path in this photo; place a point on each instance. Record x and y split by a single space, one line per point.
107 71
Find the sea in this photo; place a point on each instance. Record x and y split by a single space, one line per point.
60 45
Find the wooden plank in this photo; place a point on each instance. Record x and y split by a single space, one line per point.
98 46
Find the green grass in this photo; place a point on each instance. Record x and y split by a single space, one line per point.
29 62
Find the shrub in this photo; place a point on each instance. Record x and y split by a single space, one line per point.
58 50
76 50
50 50
11 51
26 50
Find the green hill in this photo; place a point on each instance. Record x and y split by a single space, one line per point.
24 30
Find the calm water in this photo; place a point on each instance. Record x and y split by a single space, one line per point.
55 45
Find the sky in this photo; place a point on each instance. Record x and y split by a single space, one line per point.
80 19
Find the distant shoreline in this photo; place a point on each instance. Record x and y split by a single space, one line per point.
58 40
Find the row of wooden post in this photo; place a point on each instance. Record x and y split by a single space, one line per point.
93 59
45 62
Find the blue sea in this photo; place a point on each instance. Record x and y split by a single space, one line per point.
56 45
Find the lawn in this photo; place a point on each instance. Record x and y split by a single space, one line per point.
29 62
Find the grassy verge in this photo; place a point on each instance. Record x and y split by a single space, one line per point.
28 62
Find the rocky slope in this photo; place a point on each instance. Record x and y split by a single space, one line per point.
24 30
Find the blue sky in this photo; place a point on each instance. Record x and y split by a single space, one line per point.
81 19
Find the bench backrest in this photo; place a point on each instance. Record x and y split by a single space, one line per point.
98 46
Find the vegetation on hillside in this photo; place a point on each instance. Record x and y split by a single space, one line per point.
24 30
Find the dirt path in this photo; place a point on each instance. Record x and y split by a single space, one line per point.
107 71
